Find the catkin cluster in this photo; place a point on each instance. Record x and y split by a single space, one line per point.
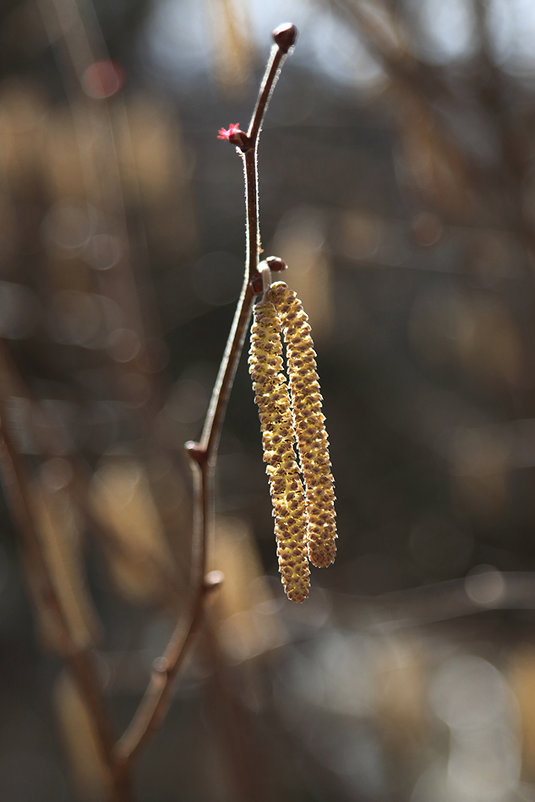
309 421
305 524
286 488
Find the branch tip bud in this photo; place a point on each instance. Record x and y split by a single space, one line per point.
285 36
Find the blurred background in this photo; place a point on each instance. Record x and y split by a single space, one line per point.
397 181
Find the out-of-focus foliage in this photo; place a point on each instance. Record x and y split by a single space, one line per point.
396 179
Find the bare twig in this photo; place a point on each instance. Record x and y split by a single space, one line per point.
203 454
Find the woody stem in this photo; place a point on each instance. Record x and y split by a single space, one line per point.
203 454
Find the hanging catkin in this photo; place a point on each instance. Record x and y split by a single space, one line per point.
309 422
286 488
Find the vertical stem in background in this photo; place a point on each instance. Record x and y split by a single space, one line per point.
203 454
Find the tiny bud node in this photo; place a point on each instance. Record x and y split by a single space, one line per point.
160 665
195 451
276 263
213 580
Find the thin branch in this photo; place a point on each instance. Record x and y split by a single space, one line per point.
216 410
203 454
485 591
155 701
250 174
271 74
79 660
248 773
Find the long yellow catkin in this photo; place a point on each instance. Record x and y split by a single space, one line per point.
286 488
309 421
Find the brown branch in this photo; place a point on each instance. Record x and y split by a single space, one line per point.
203 454
79 660
248 773
155 701
271 74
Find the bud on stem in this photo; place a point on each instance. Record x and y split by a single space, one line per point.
285 36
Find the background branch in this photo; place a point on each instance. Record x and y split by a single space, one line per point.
79 660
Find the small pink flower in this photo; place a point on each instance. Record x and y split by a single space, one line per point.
226 133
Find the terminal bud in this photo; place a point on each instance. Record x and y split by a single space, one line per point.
285 36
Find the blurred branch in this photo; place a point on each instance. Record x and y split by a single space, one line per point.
134 554
74 30
79 660
514 148
481 591
388 43
497 184
203 454
78 485
247 768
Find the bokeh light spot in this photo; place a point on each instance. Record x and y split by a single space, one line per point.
123 345
103 79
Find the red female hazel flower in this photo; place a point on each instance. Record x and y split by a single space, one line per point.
226 133
235 136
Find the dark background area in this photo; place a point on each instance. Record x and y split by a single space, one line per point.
397 181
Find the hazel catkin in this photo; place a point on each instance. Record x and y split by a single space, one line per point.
276 422
309 422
